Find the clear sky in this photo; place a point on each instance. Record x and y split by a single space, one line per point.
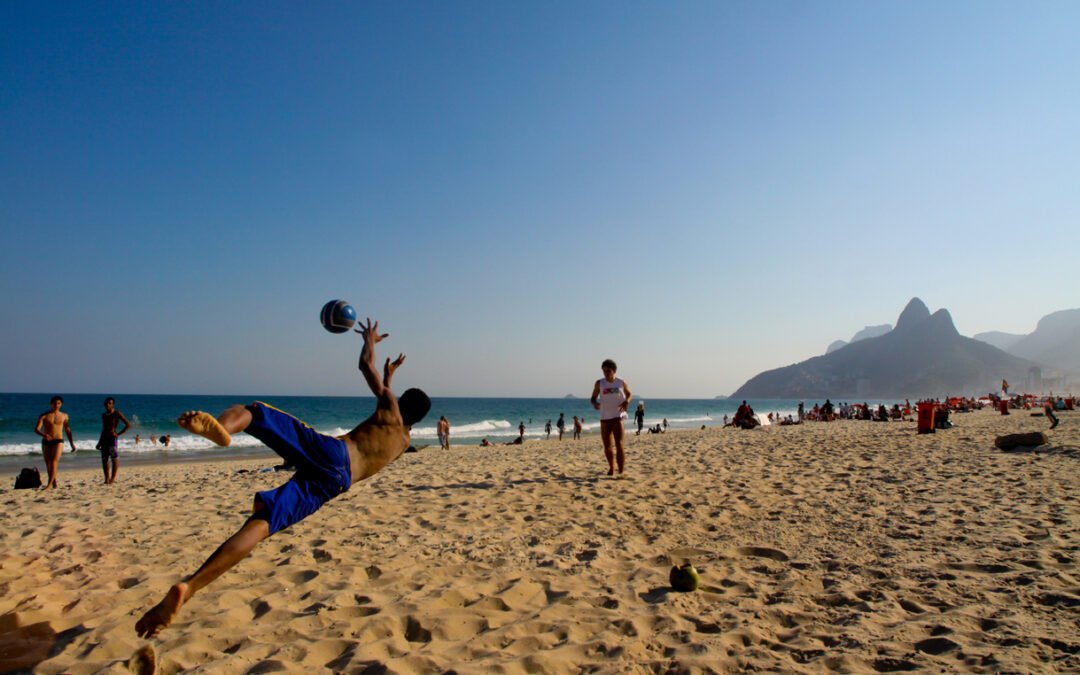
518 190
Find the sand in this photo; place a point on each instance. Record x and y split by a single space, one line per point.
845 546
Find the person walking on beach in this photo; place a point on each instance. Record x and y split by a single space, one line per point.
1048 409
639 416
611 396
547 430
443 429
110 439
577 428
561 425
51 426
327 467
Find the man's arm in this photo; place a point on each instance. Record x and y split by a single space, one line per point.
379 386
40 423
67 428
595 395
626 402
367 356
389 367
127 425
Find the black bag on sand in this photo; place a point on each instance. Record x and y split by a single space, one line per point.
28 479
1013 441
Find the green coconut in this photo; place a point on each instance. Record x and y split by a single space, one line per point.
684 578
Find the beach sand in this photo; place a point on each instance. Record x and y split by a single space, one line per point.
845 546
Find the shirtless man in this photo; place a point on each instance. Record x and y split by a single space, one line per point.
52 426
443 429
327 467
107 444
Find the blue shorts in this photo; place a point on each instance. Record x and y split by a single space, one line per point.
107 446
322 466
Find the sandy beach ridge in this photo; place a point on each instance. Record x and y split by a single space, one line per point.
846 546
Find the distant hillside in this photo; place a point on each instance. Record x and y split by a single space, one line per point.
864 334
1002 341
923 356
1055 342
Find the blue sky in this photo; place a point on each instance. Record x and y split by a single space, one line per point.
699 190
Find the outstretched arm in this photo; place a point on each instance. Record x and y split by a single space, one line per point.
367 357
390 367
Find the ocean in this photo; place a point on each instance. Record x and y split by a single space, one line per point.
472 419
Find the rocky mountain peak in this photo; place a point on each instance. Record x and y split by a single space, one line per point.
915 313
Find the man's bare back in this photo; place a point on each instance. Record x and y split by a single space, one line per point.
377 441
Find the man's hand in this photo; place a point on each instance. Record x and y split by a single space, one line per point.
371 332
390 367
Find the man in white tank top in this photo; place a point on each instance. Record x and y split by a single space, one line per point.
611 396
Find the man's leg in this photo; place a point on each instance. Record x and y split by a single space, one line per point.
605 437
220 430
115 467
105 466
617 432
52 461
228 554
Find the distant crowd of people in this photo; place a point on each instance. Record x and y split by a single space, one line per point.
611 396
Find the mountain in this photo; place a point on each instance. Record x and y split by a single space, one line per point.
998 339
923 356
864 334
1055 342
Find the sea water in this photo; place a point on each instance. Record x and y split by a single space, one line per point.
471 419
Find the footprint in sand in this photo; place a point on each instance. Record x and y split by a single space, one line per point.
143 661
936 645
414 632
763 552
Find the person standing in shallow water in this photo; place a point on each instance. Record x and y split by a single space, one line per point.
611 396
443 429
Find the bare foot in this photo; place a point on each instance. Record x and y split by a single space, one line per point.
162 614
205 425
